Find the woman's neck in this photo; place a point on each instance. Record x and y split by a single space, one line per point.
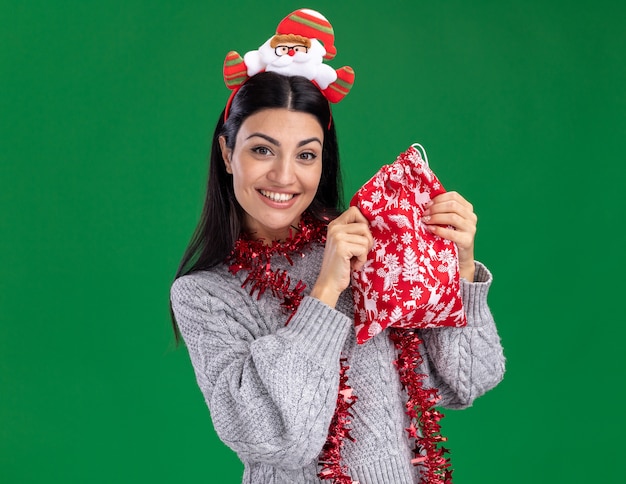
269 237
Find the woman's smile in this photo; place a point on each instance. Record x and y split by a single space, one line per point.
277 197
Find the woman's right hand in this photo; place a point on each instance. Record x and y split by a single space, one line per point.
348 241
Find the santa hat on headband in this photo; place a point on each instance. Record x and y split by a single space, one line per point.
311 24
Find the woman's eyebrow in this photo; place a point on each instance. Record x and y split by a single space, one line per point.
265 137
309 140
277 143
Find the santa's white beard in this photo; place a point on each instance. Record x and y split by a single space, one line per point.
290 66
301 64
285 60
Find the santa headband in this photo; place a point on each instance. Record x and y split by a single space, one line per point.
303 40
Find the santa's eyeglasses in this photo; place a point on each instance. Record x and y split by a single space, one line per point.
287 49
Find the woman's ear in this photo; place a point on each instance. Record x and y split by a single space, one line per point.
226 154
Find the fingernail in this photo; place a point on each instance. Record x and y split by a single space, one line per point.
429 203
426 219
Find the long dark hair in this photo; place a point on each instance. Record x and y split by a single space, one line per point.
221 218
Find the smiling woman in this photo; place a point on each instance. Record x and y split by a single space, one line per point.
263 98
262 296
276 165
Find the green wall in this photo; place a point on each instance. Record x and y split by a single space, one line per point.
106 113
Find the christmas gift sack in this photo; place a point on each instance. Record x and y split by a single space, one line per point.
411 276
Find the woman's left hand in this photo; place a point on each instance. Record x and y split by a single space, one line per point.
452 217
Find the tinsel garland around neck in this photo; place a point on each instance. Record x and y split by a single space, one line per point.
255 257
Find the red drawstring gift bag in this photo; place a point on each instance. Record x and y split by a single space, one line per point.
411 276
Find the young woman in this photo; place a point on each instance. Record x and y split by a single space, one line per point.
270 363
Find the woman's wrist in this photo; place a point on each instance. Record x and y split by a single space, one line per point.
325 294
467 271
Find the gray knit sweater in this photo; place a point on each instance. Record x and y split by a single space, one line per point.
271 389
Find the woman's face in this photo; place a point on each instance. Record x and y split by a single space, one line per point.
276 166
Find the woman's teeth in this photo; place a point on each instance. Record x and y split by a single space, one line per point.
277 197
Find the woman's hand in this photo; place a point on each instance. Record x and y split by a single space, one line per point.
348 240
451 209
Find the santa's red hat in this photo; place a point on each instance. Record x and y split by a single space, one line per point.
311 24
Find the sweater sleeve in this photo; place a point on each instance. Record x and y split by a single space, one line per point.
271 396
464 363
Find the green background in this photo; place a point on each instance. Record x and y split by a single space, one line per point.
106 114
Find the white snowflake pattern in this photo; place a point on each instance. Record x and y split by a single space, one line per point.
376 196
382 315
394 238
446 256
422 245
416 293
407 238
405 204
386 297
391 261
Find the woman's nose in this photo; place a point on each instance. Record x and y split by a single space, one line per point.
282 171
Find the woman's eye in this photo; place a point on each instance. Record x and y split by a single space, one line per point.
307 156
262 150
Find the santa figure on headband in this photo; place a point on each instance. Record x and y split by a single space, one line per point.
303 40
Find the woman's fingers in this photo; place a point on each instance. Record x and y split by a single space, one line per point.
352 228
451 210
348 241
452 217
